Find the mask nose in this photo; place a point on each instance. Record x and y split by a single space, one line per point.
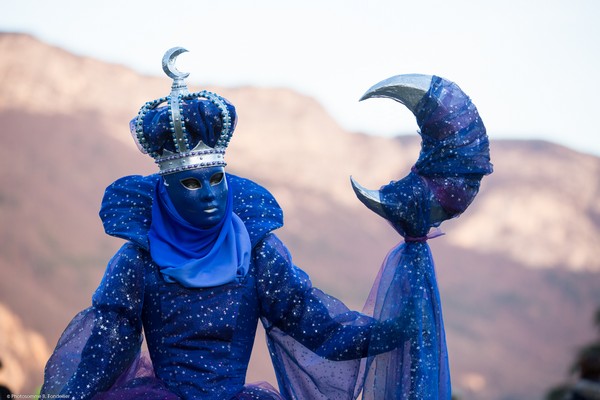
207 192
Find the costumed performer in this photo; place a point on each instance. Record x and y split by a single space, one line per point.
202 265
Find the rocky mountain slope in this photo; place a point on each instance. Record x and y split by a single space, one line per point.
517 272
24 352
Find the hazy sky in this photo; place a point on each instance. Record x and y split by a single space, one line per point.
529 66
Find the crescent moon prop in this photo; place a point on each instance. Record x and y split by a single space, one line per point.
453 159
168 63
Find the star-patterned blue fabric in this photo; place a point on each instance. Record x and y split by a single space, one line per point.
200 339
202 121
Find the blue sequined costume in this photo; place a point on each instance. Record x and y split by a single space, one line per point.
200 340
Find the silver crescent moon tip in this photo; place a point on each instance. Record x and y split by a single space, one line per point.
407 89
370 198
168 63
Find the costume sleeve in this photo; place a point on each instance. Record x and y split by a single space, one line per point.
318 321
316 342
103 340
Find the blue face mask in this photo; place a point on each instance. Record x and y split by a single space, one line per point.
199 195
195 238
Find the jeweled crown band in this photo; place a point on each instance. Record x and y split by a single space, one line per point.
191 160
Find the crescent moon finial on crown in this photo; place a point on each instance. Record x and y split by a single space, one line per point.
168 65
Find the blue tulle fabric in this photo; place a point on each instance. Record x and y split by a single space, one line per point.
454 157
200 339
455 151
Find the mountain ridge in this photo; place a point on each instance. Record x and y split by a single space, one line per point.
525 311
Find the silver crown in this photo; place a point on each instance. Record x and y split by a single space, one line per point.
202 155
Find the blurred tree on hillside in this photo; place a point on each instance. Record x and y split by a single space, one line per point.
586 369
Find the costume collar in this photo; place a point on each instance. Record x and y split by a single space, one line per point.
126 210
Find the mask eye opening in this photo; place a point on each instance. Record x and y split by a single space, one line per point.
217 178
191 183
